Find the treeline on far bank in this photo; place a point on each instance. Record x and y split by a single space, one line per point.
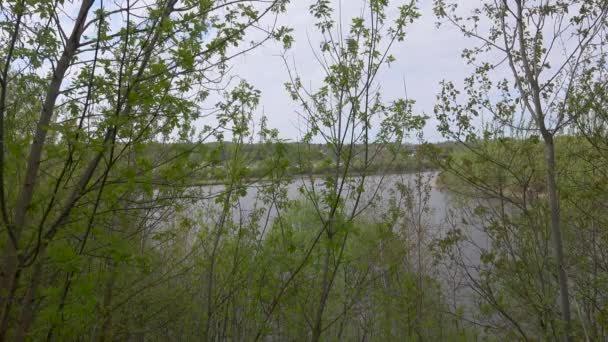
297 158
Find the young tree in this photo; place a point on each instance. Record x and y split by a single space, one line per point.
83 88
541 44
341 113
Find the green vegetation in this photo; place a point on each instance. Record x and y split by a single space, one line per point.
141 199
504 199
301 159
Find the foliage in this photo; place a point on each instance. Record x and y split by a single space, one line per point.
141 198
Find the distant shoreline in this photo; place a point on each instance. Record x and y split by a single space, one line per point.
254 180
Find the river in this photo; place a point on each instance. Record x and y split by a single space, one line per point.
440 217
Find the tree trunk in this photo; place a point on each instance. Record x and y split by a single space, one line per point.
556 234
9 276
28 305
316 332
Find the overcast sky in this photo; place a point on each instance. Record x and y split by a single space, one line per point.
427 56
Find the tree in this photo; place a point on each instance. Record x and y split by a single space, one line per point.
78 100
531 38
341 112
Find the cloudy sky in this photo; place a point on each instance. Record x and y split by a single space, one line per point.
428 55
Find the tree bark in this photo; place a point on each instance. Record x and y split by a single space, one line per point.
556 233
28 305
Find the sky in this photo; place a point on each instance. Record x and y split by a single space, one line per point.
427 56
